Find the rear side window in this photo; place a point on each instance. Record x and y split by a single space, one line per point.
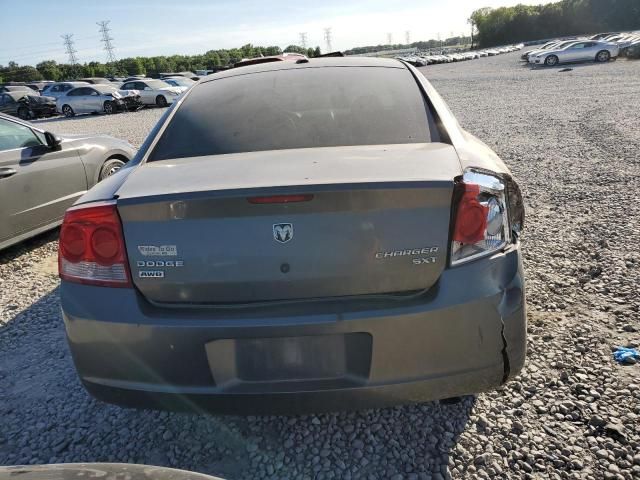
298 108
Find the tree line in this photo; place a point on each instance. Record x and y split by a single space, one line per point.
151 66
505 25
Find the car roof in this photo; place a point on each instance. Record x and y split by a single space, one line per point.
74 83
310 63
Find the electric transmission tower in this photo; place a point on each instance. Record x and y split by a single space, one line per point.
69 48
106 40
389 38
303 40
327 39
407 37
71 51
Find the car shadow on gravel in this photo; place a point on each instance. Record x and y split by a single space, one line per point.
563 66
11 253
47 417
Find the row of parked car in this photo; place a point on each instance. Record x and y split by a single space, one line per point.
600 47
91 95
427 58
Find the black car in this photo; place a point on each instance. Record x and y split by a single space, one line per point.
27 104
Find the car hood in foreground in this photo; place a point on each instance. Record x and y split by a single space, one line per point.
103 471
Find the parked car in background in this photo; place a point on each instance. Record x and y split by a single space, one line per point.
553 46
27 105
42 174
18 88
136 77
95 80
182 83
633 51
274 250
38 86
98 98
581 51
154 92
59 89
189 75
600 36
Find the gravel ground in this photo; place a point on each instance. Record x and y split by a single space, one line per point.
571 138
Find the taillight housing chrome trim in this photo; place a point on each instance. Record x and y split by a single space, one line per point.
91 249
485 192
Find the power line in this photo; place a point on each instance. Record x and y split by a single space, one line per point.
303 40
106 40
327 39
69 48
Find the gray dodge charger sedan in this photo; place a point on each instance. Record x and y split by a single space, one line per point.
295 236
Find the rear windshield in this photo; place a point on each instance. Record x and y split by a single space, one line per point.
298 108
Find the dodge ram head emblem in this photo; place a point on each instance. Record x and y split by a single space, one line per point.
283 232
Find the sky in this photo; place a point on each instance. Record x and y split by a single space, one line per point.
30 31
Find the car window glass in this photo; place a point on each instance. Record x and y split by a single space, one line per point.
274 111
13 135
94 92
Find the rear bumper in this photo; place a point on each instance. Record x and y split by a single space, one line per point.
466 335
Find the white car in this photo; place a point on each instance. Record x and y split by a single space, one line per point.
154 92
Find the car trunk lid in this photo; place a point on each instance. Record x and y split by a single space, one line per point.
289 224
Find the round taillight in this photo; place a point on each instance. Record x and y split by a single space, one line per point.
471 222
72 240
105 243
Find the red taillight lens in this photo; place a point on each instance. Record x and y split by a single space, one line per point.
471 217
92 249
280 199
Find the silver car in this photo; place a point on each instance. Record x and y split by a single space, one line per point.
582 51
42 174
154 92
98 98
59 89
271 250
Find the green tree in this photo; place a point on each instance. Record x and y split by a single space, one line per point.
295 49
49 70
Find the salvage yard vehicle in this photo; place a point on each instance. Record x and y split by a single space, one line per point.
634 50
98 98
27 105
154 92
17 88
555 46
182 83
42 174
577 52
290 252
59 89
